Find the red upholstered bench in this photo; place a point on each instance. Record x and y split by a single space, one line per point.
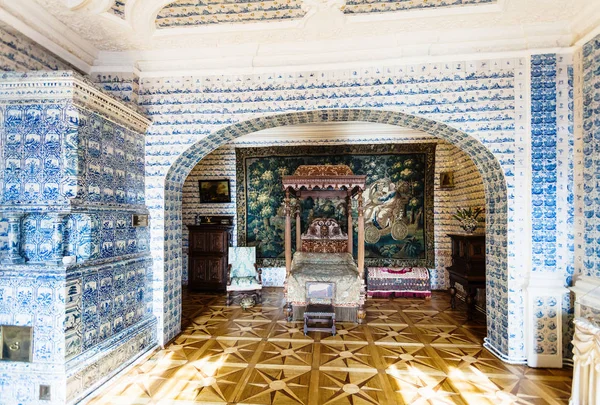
413 282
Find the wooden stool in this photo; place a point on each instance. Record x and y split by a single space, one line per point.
319 318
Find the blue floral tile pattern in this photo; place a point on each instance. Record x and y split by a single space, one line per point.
383 6
591 164
124 86
546 325
273 277
543 160
71 178
38 162
183 13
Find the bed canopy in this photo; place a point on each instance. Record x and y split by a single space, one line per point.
327 181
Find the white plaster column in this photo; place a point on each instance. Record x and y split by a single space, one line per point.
14 238
543 339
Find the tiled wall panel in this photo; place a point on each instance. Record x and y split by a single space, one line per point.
33 296
544 161
591 164
75 177
39 153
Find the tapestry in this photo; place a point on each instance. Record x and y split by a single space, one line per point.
398 200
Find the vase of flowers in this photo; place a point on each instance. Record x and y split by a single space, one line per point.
468 218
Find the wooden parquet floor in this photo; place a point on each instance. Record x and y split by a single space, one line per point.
408 352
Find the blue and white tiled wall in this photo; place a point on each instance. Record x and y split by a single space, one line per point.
485 99
552 219
543 161
124 86
481 98
546 325
115 302
590 163
467 193
101 304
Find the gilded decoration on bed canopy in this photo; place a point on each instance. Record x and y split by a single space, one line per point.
310 179
323 170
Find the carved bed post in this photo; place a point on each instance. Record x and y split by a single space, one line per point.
288 234
361 236
298 229
350 232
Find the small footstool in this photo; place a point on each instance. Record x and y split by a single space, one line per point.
319 318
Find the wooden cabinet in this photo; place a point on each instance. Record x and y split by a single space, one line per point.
207 256
468 267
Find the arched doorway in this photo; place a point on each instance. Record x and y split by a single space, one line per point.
168 266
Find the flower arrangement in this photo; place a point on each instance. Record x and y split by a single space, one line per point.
468 218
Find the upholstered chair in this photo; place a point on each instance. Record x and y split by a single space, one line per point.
243 275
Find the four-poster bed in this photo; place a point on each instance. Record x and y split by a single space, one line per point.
324 251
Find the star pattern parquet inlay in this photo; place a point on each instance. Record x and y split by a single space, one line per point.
409 351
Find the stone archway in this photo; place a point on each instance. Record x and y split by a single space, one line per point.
167 238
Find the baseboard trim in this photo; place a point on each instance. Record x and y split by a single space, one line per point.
500 355
104 384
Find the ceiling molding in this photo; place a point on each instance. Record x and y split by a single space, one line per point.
142 14
90 6
321 49
324 55
587 24
335 131
35 23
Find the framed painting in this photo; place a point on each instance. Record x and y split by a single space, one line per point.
447 179
215 191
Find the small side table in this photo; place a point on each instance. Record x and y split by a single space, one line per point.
319 318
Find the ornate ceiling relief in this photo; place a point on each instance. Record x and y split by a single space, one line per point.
383 6
184 13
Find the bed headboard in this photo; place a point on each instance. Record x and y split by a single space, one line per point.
324 235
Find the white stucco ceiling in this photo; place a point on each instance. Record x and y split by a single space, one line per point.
110 35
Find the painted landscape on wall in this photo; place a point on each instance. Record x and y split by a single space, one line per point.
397 199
